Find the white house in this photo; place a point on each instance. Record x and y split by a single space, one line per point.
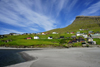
81 29
43 33
54 33
50 37
95 35
79 34
36 37
90 39
85 36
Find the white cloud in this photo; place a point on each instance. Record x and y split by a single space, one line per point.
19 13
92 9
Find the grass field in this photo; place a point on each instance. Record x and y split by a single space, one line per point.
21 40
97 40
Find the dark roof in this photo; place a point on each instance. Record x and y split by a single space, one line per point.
61 36
50 36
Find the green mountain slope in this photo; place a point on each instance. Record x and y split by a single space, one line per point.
81 22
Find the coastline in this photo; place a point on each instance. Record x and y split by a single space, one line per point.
26 57
12 56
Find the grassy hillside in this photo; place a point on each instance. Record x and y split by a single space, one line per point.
20 40
83 22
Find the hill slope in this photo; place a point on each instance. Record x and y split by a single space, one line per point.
81 22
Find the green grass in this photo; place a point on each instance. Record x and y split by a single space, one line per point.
97 40
78 44
42 42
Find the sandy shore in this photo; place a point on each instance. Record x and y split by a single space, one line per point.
72 57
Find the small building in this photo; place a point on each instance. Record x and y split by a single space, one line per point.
79 34
54 33
43 33
12 33
67 32
73 36
1 36
80 40
95 35
36 37
50 37
90 41
85 35
61 37
90 32
71 32
29 38
81 29
38 33
25 34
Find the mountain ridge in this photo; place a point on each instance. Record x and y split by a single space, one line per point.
81 22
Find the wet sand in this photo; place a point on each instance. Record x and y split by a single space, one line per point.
72 57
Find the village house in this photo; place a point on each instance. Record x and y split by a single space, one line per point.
29 38
50 37
38 33
73 36
71 32
54 33
81 34
43 33
36 37
12 33
90 41
1 36
67 32
95 35
61 37
90 32
81 29
24 33
85 35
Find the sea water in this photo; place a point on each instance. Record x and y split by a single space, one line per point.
10 56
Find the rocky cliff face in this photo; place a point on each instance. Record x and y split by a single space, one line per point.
92 17
87 21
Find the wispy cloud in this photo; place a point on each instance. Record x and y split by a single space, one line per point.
43 15
71 4
92 9
19 13
60 5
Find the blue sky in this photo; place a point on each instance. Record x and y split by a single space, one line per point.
32 16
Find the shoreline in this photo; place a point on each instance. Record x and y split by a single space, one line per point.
26 57
62 57
37 48
14 56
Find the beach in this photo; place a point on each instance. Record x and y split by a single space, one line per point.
62 57
10 56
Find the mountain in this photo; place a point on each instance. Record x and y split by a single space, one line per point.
81 22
